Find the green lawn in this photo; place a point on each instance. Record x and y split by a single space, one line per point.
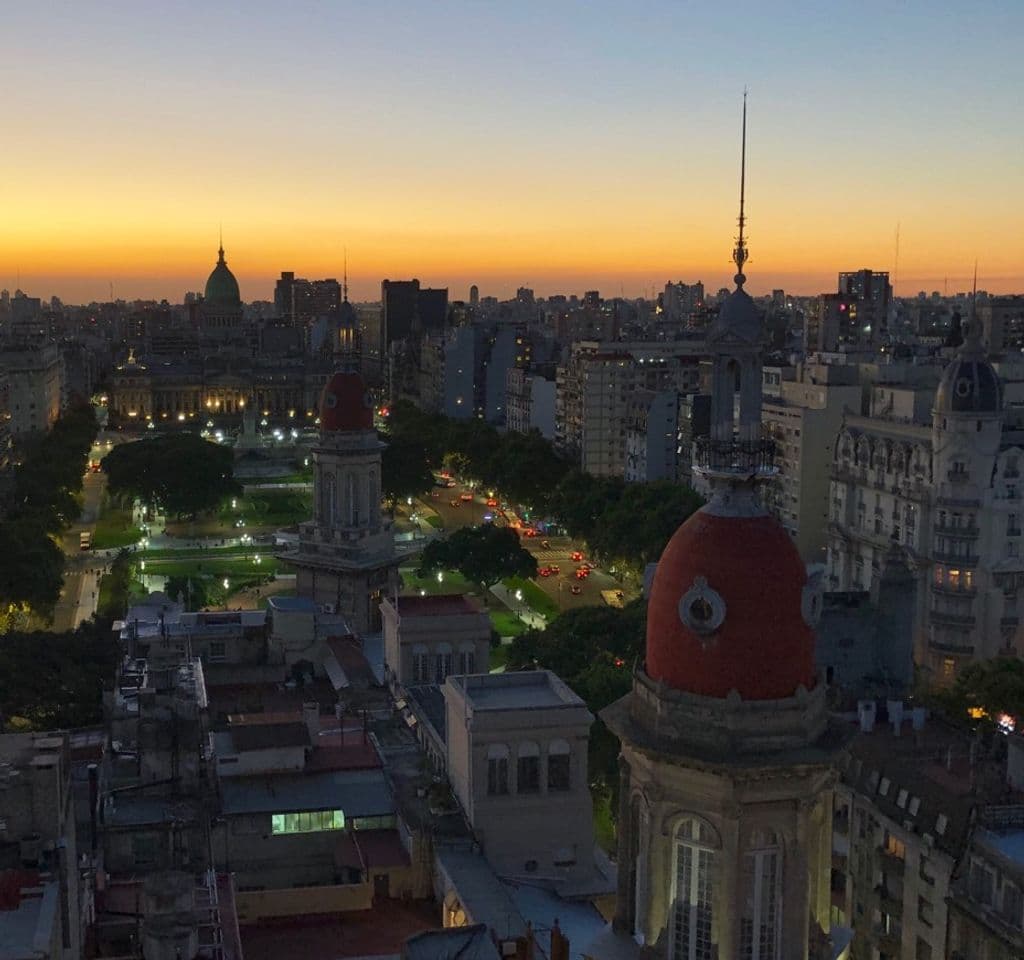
213 567
534 596
305 477
268 508
114 528
192 554
435 521
506 623
136 591
499 657
604 827
453 582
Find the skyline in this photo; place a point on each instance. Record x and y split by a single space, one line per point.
563 150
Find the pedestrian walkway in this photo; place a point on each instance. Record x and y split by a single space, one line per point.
520 608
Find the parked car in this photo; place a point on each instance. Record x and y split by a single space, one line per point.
577 556
544 571
576 589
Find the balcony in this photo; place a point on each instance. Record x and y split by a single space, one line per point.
1013 531
890 900
1010 620
946 590
735 456
959 649
958 559
952 619
893 864
966 530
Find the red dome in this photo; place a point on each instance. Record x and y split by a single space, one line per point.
742 624
346 404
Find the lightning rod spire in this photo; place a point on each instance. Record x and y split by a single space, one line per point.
739 254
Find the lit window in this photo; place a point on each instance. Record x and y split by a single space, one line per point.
311 821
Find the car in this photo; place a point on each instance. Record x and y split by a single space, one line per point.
449 483
554 568
492 502
576 589
577 556
544 571
529 532
582 573
453 503
465 497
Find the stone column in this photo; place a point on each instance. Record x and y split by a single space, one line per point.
622 922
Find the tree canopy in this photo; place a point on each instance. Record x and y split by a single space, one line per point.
996 686
404 469
483 555
181 473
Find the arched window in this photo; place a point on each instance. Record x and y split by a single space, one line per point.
559 766
443 662
421 672
761 919
497 770
693 881
467 658
528 767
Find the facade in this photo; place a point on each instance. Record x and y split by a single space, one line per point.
804 420
517 762
652 429
447 372
1002 319
949 494
596 386
529 403
34 386
428 638
345 559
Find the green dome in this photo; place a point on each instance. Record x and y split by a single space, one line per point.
222 287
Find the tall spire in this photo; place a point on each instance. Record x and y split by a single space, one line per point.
972 340
344 277
739 254
220 249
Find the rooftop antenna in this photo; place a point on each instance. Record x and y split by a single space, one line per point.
344 276
896 263
739 254
111 291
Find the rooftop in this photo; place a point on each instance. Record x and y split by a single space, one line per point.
440 605
28 913
292 604
359 793
527 689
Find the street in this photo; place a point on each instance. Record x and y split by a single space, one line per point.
81 581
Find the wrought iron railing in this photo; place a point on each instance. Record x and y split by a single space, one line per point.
738 456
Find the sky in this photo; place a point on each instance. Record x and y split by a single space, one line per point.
563 145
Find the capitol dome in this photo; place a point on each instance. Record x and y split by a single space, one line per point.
222 287
731 609
970 383
345 404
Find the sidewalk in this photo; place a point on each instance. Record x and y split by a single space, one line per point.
521 608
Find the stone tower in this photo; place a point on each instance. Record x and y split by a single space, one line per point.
728 753
346 559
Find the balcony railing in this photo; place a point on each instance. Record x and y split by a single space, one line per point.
957 530
961 560
953 619
734 456
949 591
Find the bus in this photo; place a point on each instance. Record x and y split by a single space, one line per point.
85 540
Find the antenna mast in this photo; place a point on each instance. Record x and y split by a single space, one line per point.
896 264
739 254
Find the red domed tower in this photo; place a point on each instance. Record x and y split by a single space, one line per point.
345 559
728 752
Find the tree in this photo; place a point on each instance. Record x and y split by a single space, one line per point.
484 555
996 686
116 587
191 591
404 471
31 567
181 473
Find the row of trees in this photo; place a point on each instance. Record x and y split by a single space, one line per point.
181 473
623 524
44 501
483 555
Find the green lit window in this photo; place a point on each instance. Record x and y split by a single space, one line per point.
312 821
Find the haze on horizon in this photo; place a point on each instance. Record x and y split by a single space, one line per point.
564 147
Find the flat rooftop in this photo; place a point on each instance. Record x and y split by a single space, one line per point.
441 605
516 691
292 604
359 793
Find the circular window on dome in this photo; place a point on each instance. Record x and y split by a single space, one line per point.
964 387
331 400
701 608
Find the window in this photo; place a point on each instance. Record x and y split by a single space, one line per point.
1013 904
307 821
467 659
925 871
761 919
948 668
925 912
981 882
443 662
883 787
497 770
915 805
895 847
941 822
692 888
420 664
901 799
528 768
559 767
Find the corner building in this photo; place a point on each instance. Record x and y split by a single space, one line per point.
728 754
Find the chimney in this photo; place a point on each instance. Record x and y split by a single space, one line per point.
311 716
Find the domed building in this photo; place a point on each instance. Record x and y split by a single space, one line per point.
947 497
221 309
345 561
728 752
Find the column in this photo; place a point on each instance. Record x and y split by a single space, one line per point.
622 921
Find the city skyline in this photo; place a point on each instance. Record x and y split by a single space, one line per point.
551 149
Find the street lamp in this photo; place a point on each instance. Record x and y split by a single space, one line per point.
227 583
258 558
519 595
142 564
440 576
